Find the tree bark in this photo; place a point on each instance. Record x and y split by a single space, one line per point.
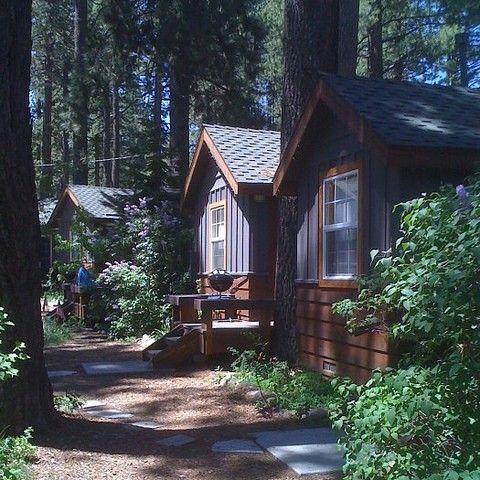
65 135
80 91
107 139
311 46
375 45
27 399
461 43
97 148
348 37
179 121
45 187
116 135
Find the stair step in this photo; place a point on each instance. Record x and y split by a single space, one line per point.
152 353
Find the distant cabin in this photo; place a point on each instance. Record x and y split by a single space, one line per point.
229 195
45 208
361 147
103 207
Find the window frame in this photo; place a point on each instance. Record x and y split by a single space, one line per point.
331 173
211 207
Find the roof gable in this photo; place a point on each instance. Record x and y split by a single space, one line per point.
247 158
403 122
100 203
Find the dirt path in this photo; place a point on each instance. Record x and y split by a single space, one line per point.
185 402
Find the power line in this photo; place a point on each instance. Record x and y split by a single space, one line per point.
103 160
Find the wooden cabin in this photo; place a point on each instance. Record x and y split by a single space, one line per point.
360 147
229 195
103 206
45 209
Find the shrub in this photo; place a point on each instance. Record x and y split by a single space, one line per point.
409 424
283 387
130 295
422 420
14 451
67 402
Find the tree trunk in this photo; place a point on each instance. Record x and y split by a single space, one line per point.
65 135
47 172
116 135
27 399
157 110
375 45
97 147
461 43
80 92
107 139
179 122
348 37
310 46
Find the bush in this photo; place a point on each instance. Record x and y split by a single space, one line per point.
283 387
55 333
130 295
409 424
422 420
14 451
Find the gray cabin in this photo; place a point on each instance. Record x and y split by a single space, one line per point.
103 206
228 194
361 147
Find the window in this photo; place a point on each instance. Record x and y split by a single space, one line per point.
340 226
217 236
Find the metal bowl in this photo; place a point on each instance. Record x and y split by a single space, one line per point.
220 280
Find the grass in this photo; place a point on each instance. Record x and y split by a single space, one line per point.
57 333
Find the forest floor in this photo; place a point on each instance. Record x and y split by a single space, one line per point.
188 402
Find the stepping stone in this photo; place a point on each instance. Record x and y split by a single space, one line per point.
140 425
112 413
175 440
116 368
305 451
92 404
236 446
61 373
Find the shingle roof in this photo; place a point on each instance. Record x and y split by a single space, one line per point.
46 206
414 114
251 155
102 203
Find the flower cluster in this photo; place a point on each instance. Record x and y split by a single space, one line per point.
111 269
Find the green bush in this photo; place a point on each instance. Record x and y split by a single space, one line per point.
422 420
414 423
283 387
67 402
130 295
14 451
56 333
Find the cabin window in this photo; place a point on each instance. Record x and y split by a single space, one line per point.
340 226
217 236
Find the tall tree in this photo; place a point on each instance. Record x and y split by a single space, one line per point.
311 45
27 399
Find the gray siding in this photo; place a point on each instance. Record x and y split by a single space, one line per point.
248 235
333 148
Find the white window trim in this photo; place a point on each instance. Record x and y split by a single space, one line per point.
338 226
211 240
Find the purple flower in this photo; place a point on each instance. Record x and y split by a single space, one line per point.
462 196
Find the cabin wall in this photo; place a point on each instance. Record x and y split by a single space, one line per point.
63 225
250 248
322 340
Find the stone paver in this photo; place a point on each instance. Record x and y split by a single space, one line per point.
175 440
92 404
110 413
61 373
143 424
306 451
115 368
236 446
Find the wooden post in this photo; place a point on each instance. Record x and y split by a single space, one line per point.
208 331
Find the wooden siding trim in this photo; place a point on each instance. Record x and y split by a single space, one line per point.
67 193
331 172
212 206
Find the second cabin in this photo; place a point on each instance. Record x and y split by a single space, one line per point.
229 195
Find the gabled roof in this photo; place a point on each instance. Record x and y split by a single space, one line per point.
247 159
100 203
404 122
45 208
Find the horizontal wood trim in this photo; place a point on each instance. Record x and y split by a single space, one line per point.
316 362
338 333
350 354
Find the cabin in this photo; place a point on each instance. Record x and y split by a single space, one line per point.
228 194
45 209
102 206
361 147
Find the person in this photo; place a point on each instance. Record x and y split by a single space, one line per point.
84 280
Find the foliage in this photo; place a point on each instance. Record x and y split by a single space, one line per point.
67 402
129 294
416 420
55 333
415 423
14 451
282 387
